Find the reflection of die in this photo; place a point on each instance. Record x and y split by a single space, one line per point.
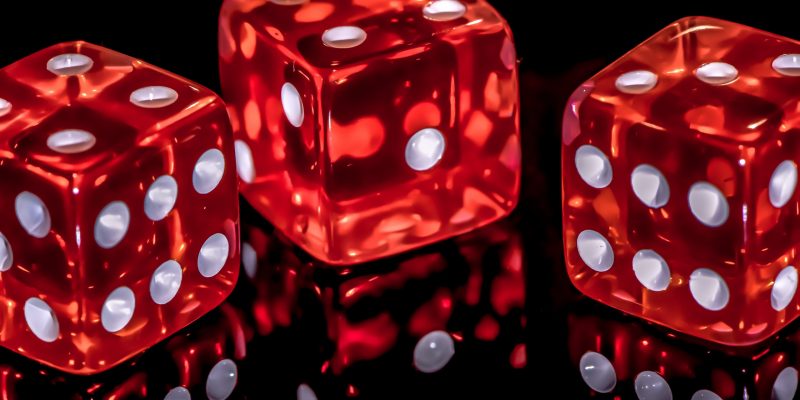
679 175
623 358
365 127
402 318
202 360
120 206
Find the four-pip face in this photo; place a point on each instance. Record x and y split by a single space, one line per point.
118 214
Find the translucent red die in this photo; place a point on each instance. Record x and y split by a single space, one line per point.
366 127
679 175
119 213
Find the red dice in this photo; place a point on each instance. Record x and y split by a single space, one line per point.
119 206
369 127
679 177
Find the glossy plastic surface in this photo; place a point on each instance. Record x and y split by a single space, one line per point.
89 235
712 107
334 123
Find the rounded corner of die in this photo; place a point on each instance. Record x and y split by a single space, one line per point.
688 19
574 278
76 46
697 19
78 43
512 204
217 103
233 278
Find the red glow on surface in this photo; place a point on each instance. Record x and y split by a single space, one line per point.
432 315
508 293
487 329
376 286
235 330
421 116
264 323
473 289
519 357
365 340
4 384
314 12
134 386
325 366
361 139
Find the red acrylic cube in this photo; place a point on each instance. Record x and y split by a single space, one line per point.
119 219
369 127
679 181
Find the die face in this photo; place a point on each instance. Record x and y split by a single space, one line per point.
57 143
678 182
160 240
737 96
43 268
300 27
387 131
278 160
371 124
108 174
46 74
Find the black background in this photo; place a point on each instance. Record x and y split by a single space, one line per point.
558 50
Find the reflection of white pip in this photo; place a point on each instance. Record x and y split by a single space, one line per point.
433 351
425 149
